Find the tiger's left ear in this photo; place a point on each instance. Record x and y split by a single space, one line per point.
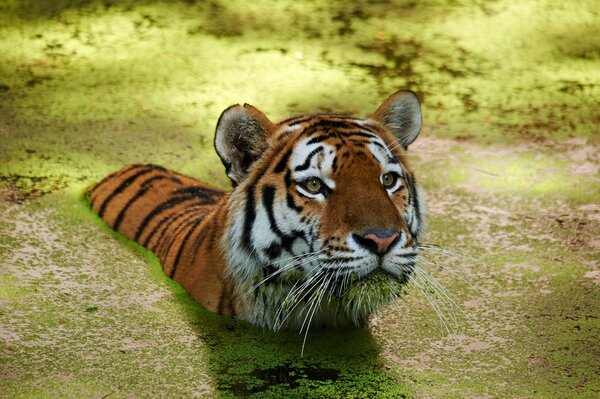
401 113
241 137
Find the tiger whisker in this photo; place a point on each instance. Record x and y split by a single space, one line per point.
299 293
428 247
441 317
448 253
446 321
298 262
278 323
446 297
455 273
313 301
270 276
293 295
438 293
317 303
395 145
304 255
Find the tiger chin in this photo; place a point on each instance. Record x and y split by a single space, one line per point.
321 228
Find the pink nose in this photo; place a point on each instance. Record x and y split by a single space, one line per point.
377 241
382 243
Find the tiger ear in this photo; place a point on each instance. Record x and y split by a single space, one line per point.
401 114
241 137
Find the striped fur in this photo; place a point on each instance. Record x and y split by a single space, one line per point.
176 217
273 251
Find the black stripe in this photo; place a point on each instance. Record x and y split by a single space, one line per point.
183 242
292 204
410 181
309 158
334 164
169 233
369 128
318 139
159 209
391 158
335 132
144 189
288 197
165 248
378 144
192 193
416 201
362 134
280 167
200 192
338 126
168 218
360 141
273 251
318 126
257 173
155 212
108 178
126 183
250 215
196 242
294 120
123 211
268 199
287 241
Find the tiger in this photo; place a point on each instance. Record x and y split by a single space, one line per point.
321 226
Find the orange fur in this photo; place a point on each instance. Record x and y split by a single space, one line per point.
184 234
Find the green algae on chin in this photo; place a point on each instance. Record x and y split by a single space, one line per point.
370 294
358 300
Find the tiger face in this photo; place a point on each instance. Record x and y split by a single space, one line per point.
325 217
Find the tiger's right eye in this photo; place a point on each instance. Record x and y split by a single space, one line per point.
313 184
388 180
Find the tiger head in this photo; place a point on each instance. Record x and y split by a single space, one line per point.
325 216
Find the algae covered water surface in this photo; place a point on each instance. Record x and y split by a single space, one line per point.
508 158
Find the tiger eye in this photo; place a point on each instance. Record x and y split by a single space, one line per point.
314 185
388 180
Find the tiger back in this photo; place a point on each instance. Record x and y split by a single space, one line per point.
177 218
321 228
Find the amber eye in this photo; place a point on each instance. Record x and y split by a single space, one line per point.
313 184
388 180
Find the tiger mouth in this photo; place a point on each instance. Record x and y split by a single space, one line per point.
338 284
382 276
378 283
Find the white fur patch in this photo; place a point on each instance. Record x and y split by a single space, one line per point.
320 164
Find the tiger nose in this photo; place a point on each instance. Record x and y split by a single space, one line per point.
377 241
